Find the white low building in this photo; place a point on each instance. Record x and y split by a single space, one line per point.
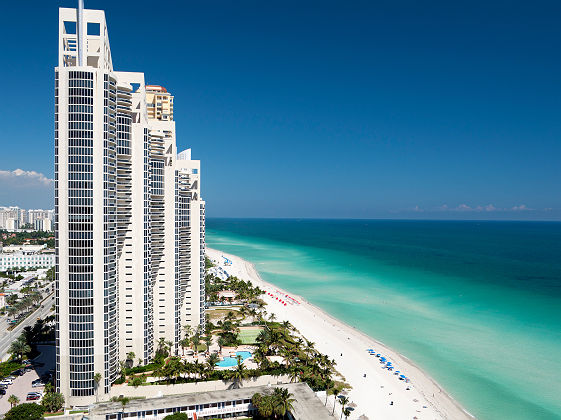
13 260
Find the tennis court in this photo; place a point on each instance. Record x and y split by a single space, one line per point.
248 335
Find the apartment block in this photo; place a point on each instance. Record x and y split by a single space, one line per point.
129 215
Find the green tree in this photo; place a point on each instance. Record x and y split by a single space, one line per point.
130 359
97 379
208 342
176 416
283 401
13 400
26 411
335 393
19 347
196 340
53 401
238 374
138 381
343 401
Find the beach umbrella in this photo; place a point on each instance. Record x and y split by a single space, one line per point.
363 417
352 405
402 376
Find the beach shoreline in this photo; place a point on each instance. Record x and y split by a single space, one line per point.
377 392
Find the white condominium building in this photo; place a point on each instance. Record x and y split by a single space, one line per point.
129 216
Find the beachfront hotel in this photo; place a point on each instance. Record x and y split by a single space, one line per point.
130 221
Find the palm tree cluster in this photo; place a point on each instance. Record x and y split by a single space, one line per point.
274 406
302 361
23 305
20 347
175 369
244 289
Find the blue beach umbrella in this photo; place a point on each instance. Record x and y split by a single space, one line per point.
402 376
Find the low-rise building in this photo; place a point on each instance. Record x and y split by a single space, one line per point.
212 405
25 260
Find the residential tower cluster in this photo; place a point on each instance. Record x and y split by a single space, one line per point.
130 220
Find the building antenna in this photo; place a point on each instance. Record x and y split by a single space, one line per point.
80 30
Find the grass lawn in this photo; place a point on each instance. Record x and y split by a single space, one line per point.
248 335
221 313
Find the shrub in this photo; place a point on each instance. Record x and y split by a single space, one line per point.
26 411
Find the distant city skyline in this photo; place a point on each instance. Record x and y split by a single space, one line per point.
326 110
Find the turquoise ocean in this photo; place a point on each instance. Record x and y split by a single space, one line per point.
477 305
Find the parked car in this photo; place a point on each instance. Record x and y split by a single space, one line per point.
12 377
33 397
18 372
36 384
2 391
6 382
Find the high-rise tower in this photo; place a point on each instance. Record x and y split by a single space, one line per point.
129 216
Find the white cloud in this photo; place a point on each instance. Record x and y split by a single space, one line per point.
24 178
463 207
27 189
521 207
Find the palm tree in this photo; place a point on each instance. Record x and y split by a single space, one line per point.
19 347
97 380
188 330
130 359
208 342
124 402
283 401
221 343
212 360
184 343
196 340
347 412
335 393
169 345
13 400
343 401
162 347
238 374
174 369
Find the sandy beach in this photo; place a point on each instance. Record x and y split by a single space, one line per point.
378 395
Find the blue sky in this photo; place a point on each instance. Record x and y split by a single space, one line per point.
392 109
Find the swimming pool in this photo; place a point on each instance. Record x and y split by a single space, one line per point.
233 361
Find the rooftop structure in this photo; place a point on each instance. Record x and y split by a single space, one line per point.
215 404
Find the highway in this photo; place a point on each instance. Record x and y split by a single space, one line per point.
6 337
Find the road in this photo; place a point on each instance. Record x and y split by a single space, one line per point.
6 337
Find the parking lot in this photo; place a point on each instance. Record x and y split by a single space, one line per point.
22 384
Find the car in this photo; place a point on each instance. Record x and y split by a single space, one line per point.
37 384
12 377
33 397
18 372
27 369
6 382
2 391
26 362
35 393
